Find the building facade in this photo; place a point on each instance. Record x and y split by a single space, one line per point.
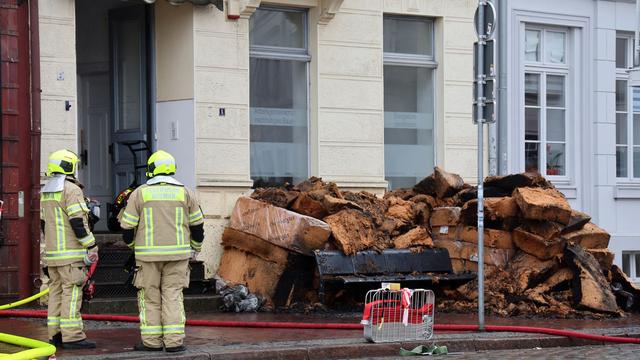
569 110
369 94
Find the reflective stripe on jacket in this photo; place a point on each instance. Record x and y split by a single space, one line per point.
161 214
62 247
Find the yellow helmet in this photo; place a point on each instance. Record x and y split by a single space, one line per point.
62 162
161 162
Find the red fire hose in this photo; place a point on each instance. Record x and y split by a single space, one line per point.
335 326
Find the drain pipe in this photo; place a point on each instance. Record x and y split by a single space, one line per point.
636 47
498 133
493 127
34 47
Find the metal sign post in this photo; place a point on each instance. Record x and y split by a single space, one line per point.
484 105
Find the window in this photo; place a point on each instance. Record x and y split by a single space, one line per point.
631 264
278 96
627 114
409 68
546 76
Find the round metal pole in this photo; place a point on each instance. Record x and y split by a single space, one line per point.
480 118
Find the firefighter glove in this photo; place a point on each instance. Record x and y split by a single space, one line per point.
92 255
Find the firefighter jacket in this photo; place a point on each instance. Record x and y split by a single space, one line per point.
63 212
164 216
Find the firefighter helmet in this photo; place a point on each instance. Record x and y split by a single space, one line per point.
62 162
161 163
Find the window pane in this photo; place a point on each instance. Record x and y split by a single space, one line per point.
636 162
130 103
621 128
531 89
621 53
555 46
636 129
621 161
555 159
531 124
621 95
408 36
278 119
532 45
531 157
636 99
408 124
637 256
555 91
555 125
277 28
626 266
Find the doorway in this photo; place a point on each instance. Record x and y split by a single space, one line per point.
114 62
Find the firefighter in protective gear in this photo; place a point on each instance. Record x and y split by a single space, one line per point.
69 248
163 223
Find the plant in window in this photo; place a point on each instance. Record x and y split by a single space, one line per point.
554 166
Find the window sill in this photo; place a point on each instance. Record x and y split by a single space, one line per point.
627 191
569 191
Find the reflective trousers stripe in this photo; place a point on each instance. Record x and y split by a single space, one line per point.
53 321
74 301
143 317
173 329
70 323
150 330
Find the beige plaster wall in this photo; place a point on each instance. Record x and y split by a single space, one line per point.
58 57
174 41
346 85
221 58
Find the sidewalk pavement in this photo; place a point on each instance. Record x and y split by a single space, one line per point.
116 340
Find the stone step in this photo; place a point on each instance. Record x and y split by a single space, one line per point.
129 305
108 239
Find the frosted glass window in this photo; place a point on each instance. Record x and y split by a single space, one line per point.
408 100
278 98
408 124
555 47
408 35
532 45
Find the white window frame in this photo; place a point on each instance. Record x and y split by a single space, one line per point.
544 68
623 75
633 275
294 54
416 60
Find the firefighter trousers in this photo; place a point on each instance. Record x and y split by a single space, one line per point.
160 301
65 301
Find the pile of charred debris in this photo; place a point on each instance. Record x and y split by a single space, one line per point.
541 257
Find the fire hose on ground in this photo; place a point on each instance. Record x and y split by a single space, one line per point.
40 348
36 349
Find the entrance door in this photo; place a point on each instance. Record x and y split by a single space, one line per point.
130 115
94 112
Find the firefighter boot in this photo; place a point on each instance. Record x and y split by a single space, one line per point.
82 344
